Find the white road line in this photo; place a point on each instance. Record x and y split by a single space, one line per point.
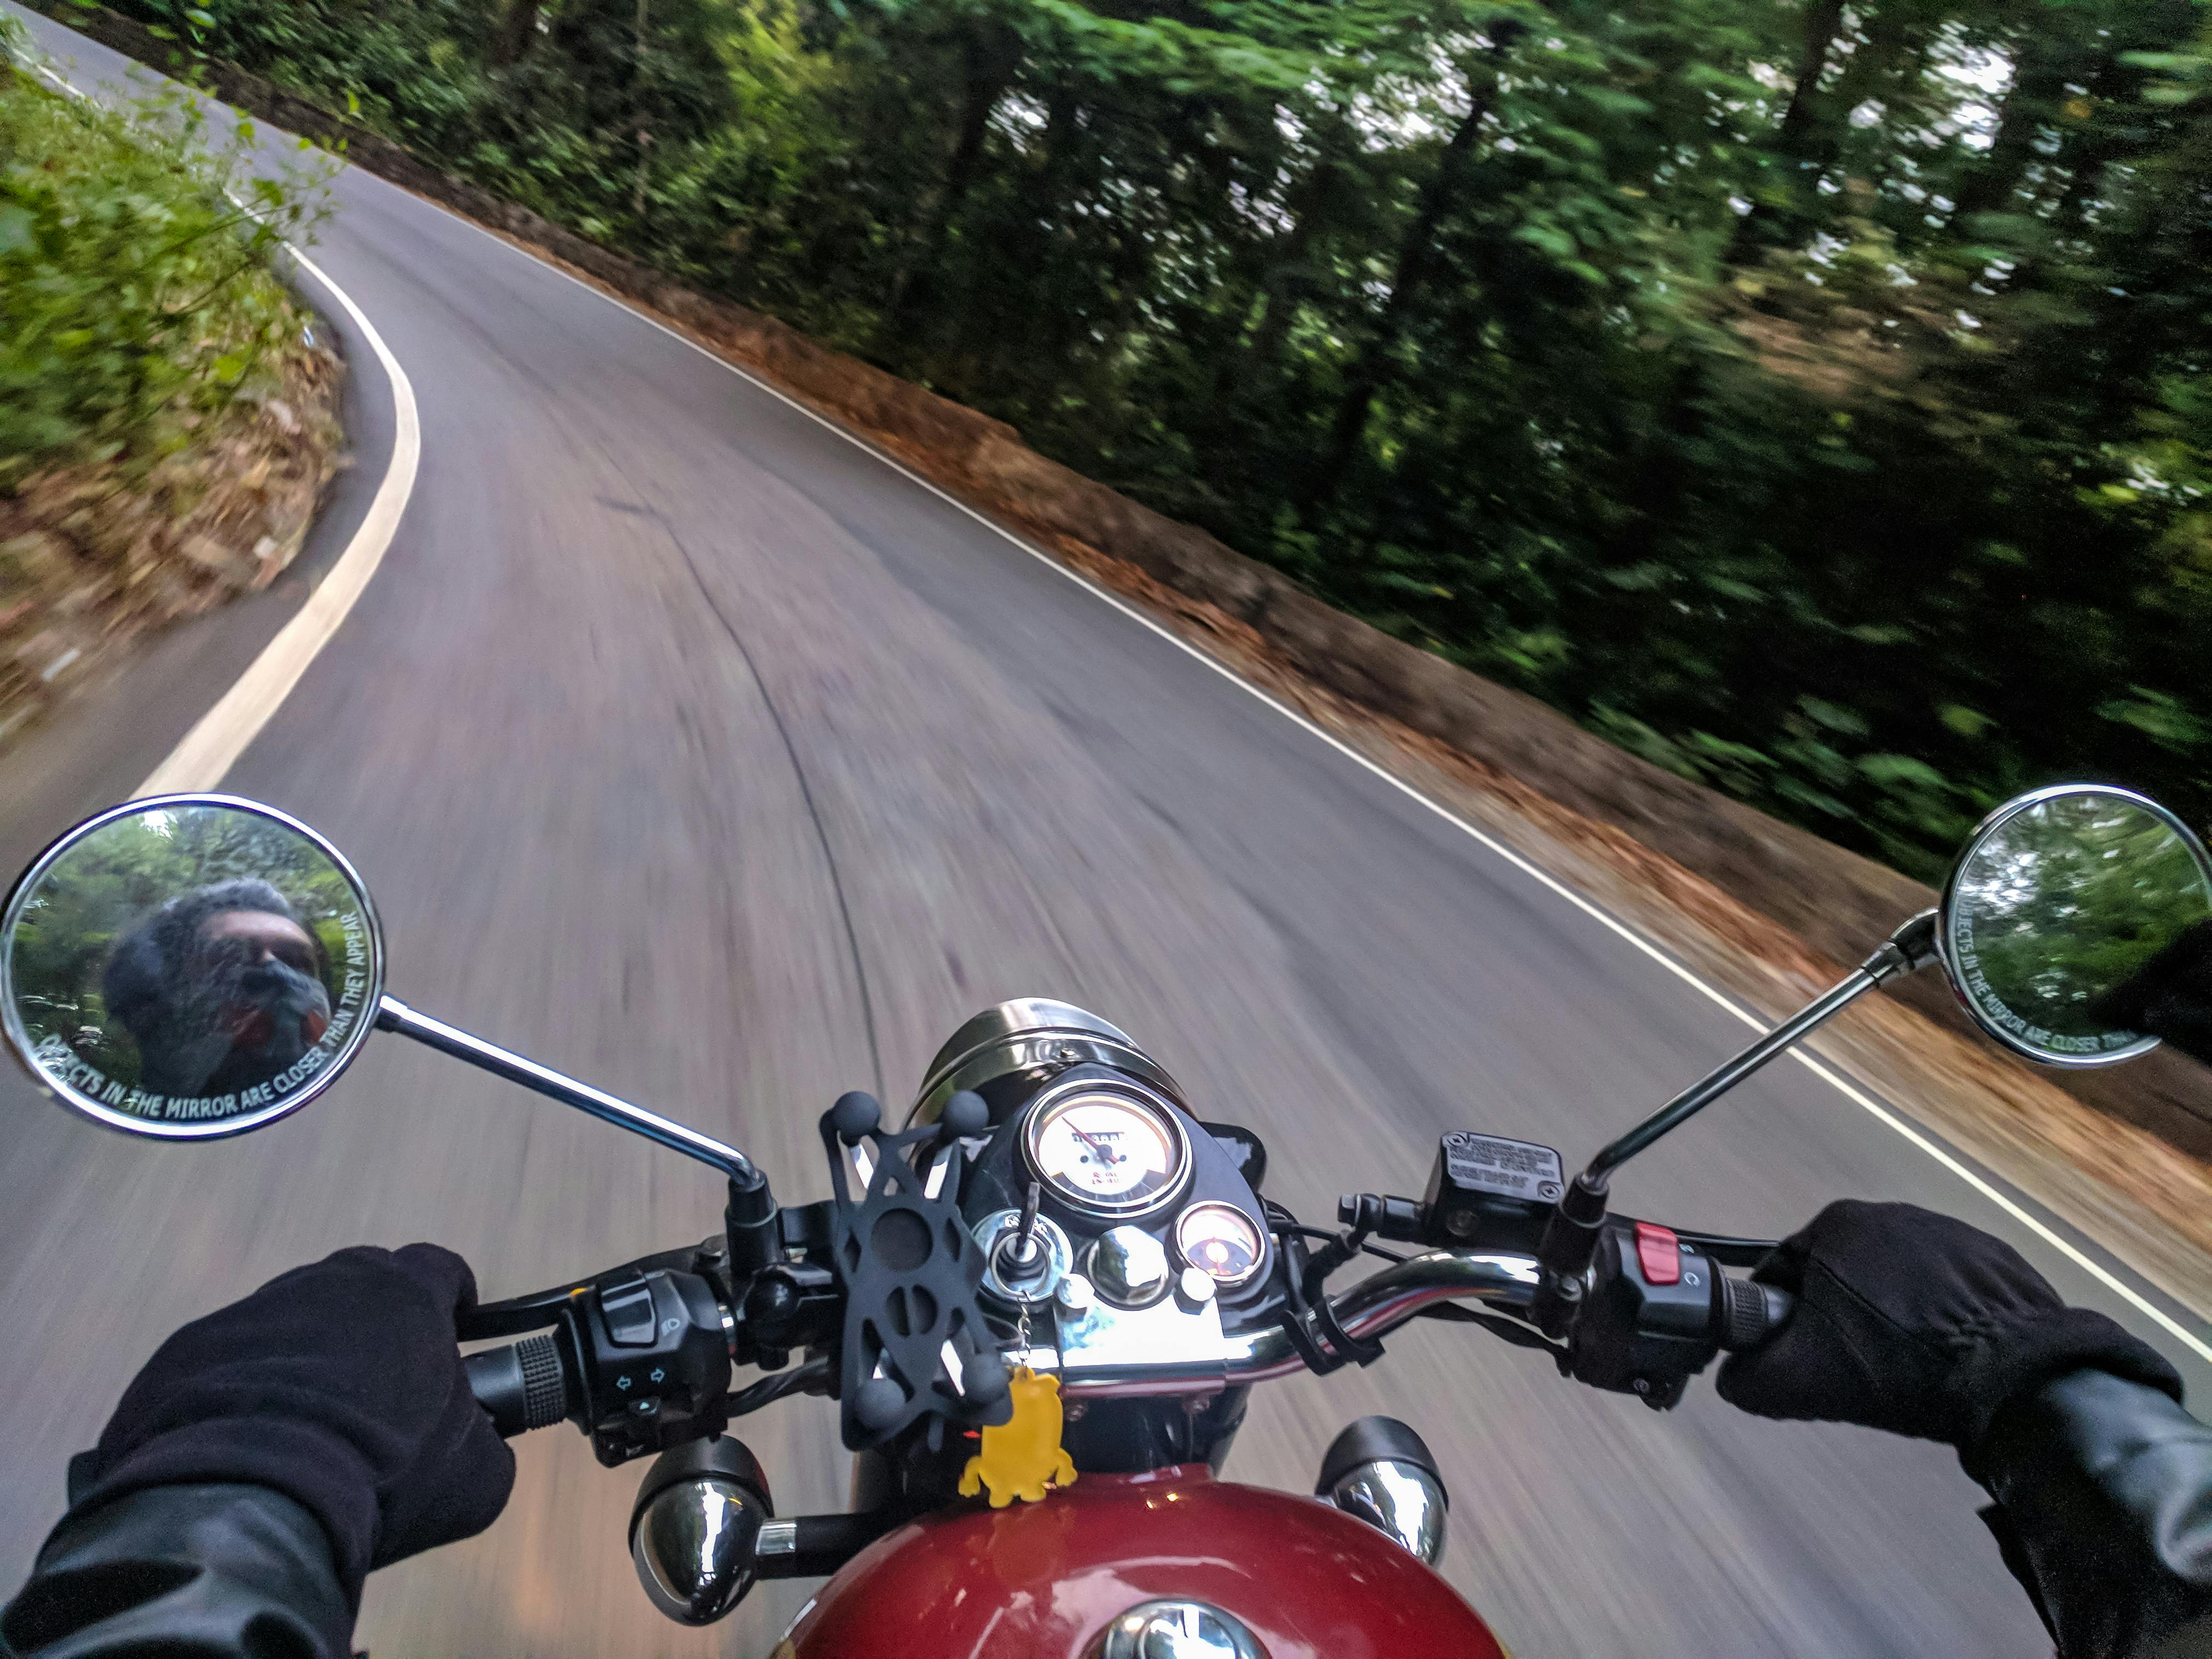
212 747
1882 1114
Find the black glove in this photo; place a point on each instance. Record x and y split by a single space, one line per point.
338 1385
1917 1323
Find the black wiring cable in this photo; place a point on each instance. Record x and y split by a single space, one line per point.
800 1379
1281 1222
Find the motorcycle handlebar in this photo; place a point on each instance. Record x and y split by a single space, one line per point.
522 1386
526 1385
1746 1313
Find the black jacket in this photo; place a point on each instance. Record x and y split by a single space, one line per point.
2104 1512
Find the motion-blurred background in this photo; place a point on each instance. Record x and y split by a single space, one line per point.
1807 396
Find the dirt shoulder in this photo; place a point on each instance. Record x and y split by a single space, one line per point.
96 558
172 413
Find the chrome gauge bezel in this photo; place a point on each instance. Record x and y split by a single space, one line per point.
1182 1254
1139 1098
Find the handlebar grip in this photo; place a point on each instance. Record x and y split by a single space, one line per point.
1750 1313
523 1386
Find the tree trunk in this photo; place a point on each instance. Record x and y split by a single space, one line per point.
1824 21
1415 266
1871 68
1282 286
2037 88
518 28
990 68
644 116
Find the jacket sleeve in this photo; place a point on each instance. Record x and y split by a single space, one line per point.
182 1572
2104 1512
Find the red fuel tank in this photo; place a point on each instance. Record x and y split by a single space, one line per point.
1042 1581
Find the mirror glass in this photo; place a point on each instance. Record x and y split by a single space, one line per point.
2077 926
188 966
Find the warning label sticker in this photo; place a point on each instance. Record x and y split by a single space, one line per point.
1511 1169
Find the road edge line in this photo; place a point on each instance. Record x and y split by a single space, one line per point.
1820 1068
207 752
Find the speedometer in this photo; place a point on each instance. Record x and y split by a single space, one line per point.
1107 1150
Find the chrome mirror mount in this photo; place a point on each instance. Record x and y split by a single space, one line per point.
190 967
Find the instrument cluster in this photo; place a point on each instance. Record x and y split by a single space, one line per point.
1130 1213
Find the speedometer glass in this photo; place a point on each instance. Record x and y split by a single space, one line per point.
1107 1152
1220 1241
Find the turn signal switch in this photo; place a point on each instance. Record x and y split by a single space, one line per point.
1658 1312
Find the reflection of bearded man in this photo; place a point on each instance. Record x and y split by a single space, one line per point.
222 989
2170 996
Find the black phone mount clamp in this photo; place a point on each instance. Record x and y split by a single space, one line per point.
914 1342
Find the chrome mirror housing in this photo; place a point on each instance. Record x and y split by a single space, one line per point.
188 966
2075 923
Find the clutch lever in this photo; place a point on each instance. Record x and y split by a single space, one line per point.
513 1315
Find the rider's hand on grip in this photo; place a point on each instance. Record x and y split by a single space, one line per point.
1917 1323
338 1384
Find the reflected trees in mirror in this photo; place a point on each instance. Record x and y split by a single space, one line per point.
2067 916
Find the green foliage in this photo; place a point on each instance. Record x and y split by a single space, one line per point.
1811 398
133 291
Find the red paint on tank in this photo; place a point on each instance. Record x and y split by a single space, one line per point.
1042 1580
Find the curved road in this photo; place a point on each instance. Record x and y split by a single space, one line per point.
691 748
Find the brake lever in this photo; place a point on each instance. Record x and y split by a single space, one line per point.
1510 1330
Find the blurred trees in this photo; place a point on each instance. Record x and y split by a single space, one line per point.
1809 394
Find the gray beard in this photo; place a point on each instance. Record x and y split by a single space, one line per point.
193 1041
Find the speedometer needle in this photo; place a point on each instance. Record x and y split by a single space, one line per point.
1106 1154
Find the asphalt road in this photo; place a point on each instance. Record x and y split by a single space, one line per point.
660 682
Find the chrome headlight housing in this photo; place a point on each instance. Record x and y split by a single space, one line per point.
1007 1053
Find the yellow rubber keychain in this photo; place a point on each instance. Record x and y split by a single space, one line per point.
1022 1458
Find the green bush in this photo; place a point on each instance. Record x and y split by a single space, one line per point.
136 283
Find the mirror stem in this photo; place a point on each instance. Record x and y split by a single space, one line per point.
393 1015
1910 947
1571 1236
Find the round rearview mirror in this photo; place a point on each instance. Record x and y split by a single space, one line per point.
188 966
2066 917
